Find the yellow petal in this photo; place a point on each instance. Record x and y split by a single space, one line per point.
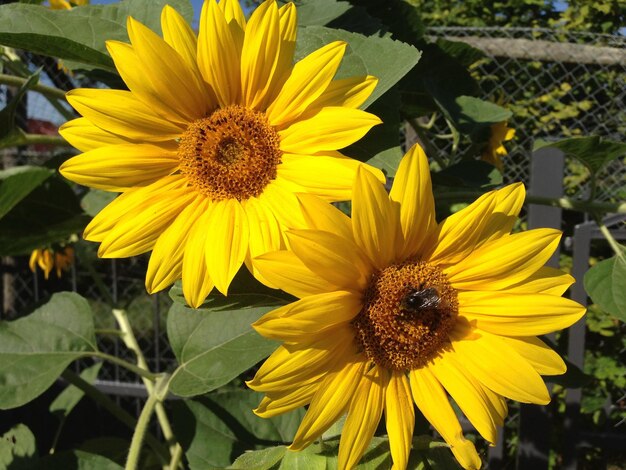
412 189
284 270
166 261
330 402
105 220
348 92
137 231
469 396
178 34
509 201
233 12
34 256
399 418
308 80
341 262
152 69
432 401
288 30
265 235
121 113
219 55
538 354
83 135
284 205
374 219
518 314
329 177
120 167
311 315
499 367
287 368
319 215
288 400
505 261
260 53
332 128
364 415
197 283
546 280
226 242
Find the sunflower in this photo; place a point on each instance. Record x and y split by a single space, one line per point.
396 309
48 259
495 150
212 141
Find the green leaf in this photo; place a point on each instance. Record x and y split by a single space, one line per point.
381 145
78 35
465 54
18 449
65 402
384 58
95 200
471 113
18 182
48 214
468 174
213 346
77 460
594 151
400 17
35 349
219 425
606 285
319 12
7 115
261 459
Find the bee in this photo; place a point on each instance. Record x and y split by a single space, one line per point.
421 299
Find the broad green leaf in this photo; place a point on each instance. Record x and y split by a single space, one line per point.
7 115
606 285
78 35
219 425
468 174
465 54
213 346
264 459
16 183
18 449
113 448
471 113
77 460
48 214
35 349
319 12
384 58
381 145
430 454
400 17
65 402
594 151
95 200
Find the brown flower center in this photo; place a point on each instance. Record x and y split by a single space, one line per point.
231 154
409 310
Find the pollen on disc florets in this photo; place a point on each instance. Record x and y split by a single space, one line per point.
402 335
231 154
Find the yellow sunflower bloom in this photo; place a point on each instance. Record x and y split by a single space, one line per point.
495 150
47 259
396 309
67 5
213 140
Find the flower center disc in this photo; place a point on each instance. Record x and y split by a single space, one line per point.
409 310
231 154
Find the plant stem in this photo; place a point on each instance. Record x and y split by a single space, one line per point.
176 458
117 412
34 139
140 432
615 246
131 343
52 92
144 373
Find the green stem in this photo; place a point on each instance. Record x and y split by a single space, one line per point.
117 412
52 92
431 151
145 374
562 202
615 246
176 458
131 343
21 138
140 432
